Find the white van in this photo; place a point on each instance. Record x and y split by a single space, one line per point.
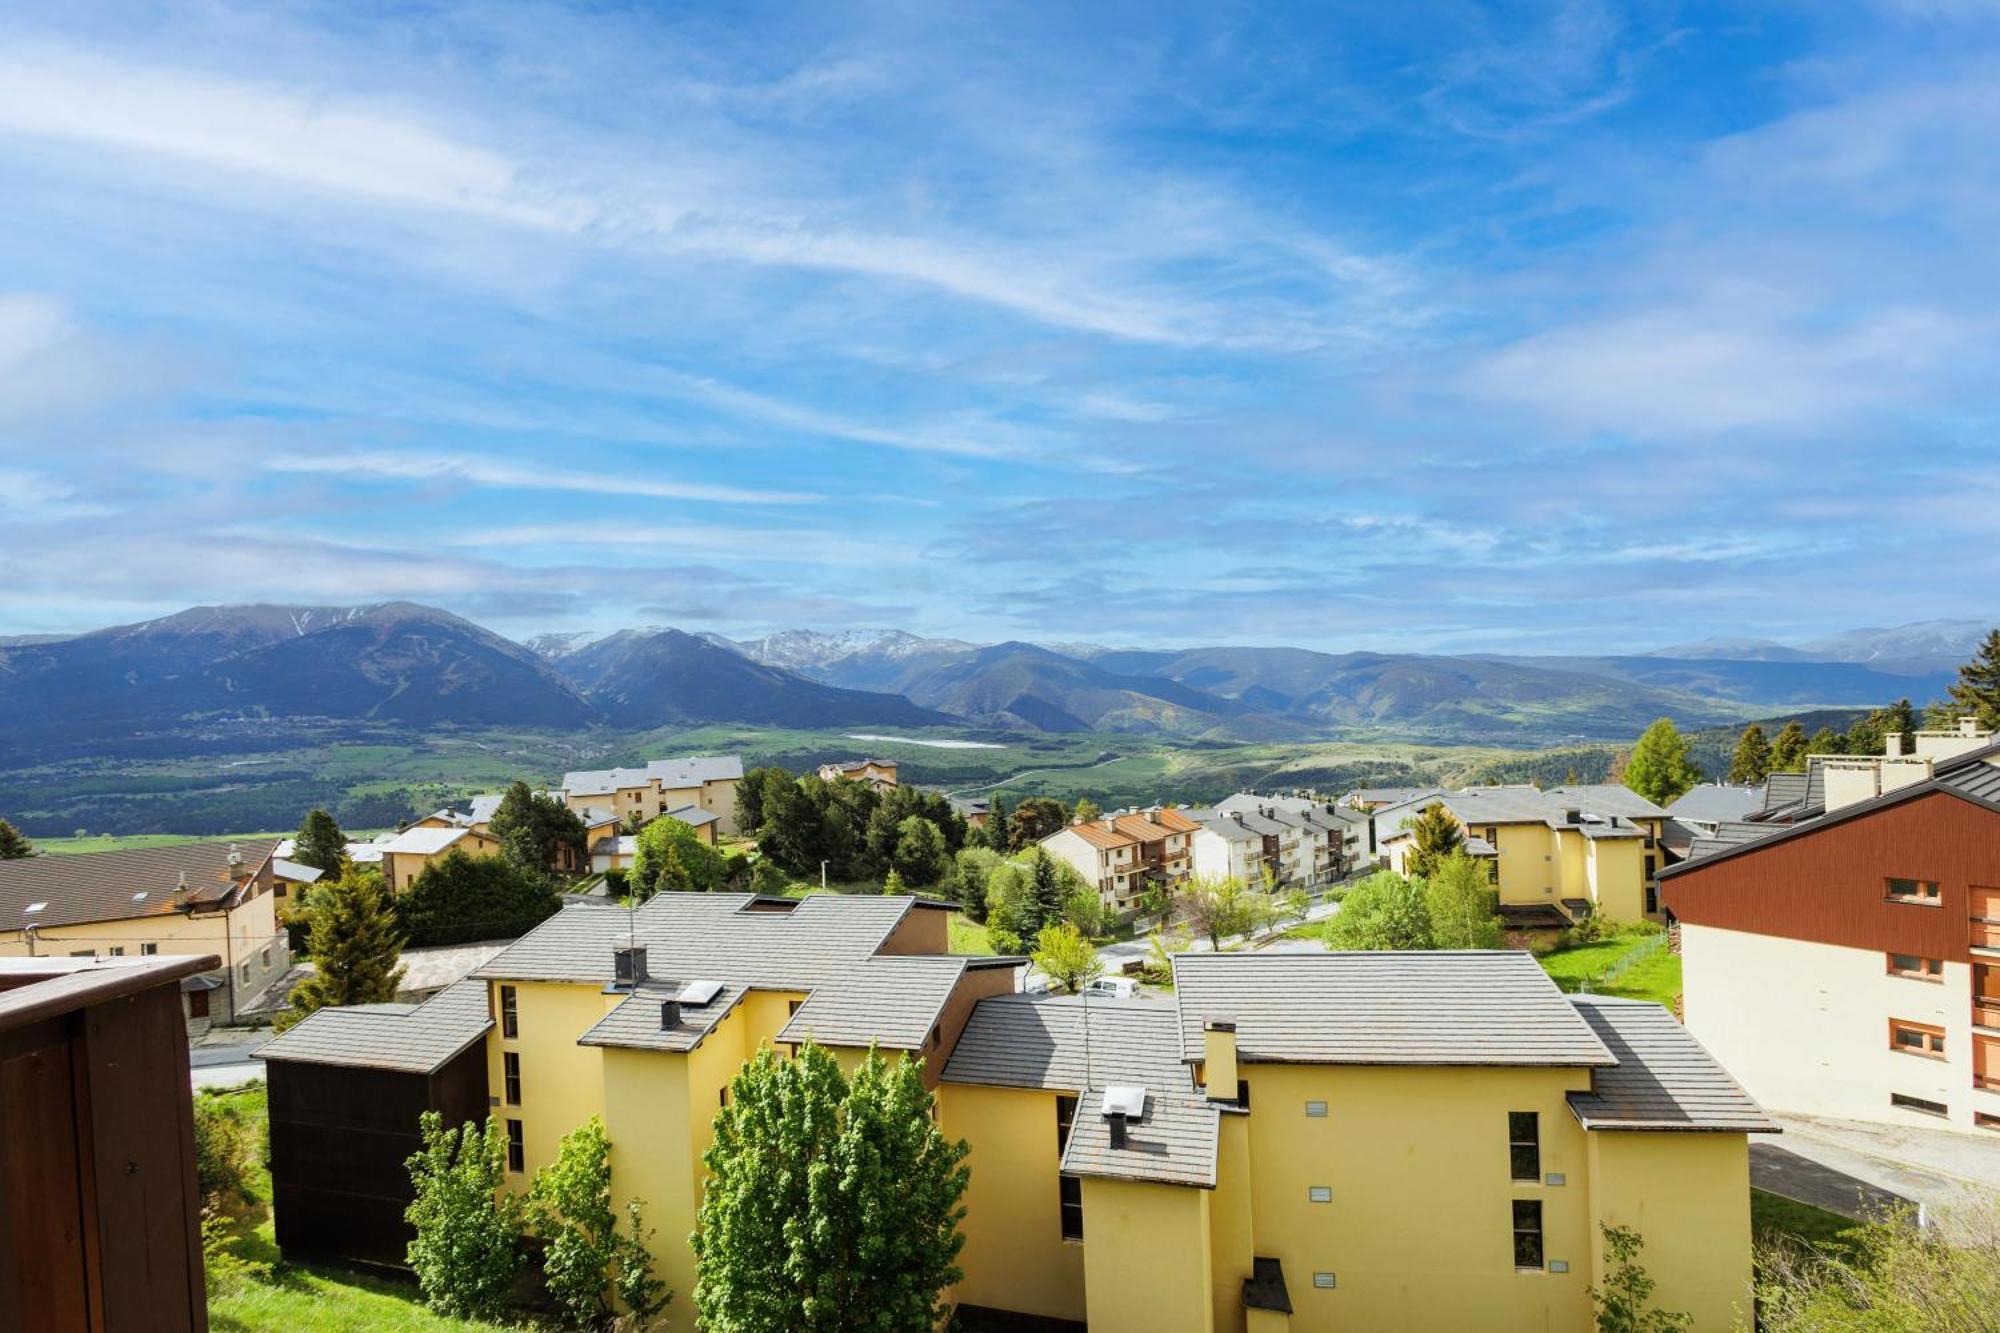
1119 988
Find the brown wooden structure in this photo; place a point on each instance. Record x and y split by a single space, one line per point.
99 1210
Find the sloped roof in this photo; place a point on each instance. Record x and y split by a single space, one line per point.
1664 1079
1443 1007
294 871
696 769
892 999
693 815
636 1021
1605 798
1038 1041
1223 826
1172 1142
1154 825
425 841
1711 802
75 888
1093 832
411 1038
603 781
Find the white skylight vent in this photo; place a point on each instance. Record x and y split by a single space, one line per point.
1126 1101
36 907
139 897
698 993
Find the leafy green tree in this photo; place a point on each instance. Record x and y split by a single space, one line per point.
1383 912
1463 905
467 1252
320 843
1296 904
1434 835
1977 689
830 1205
920 855
14 845
587 1256
1219 908
1087 809
355 945
768 879
1827 741
1625 1303
1066 958
1788 749
458 898
1660 768
1010 907
673 858
221 1152
1036 818
1084 910
1751 763
539 833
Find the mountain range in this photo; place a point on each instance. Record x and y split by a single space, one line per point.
423 667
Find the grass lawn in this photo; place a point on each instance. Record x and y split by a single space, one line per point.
968 936
1657 978
1773 1216
125 842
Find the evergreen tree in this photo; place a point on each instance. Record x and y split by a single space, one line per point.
1463 905
1036 818
892 883
920 855
999 835
1751 763
1434 835
14 845
830 1205
1827 741
320 843
1045 892
1660 769
1977 690
539 833
1788 750
458 898
354 944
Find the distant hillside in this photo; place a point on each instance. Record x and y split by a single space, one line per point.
1922 647
1782 681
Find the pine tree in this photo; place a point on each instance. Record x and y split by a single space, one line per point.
892 883
320 843
1788 750
538 833
14 845
998 835
830 1205
1434 835
1660 769
1827 741
1977 690
354 944
1751 763
1045 893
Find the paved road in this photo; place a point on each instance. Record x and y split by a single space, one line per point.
1851 1168
1116 956
224 1064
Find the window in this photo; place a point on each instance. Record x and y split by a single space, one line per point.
1986 1120
724 1096
511 1064
517 1148
244 969
117 951
1072 1207
1315 1110
1524 1145
149 949
1065 1113
1913 891
1528 1234
1908 1103
1916 1038
1652 864
197 1004
1652 899
510 1012
1243 1093
1918 969
792 1006
267 956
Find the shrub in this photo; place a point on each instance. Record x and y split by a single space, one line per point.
587 1256
221 1144
467 1250
459 898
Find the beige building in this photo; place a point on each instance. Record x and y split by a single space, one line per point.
707 782
196 898
405 855
1119 855
875 772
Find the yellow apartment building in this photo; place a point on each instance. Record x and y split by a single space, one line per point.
707 782
405 855
1556 855
1309 1142
195 898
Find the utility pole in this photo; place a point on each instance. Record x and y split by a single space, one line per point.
822 877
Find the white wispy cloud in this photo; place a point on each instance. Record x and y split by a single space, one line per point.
472 470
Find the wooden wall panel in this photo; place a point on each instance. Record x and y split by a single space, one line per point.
1827 886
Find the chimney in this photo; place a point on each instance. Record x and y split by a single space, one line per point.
670 1015
1892 745
1153 815
181 889
1969 726
1573 816
1236 815
1117 1119
236 870
1111 823
1218 1058
628 966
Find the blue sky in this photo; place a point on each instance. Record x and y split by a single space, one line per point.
1555 327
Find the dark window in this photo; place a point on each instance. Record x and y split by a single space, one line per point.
117 951
1913 890
1065 1113
1910 965
1916 1038
517 1148
725 1094
792 1006
511 1064
197 1004
1072 1207
1524 1145
149 949
1652 867
510 1012
1652 899
1528 1233
1909 1103
1243 1093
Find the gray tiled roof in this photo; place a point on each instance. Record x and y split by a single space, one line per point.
718 936
1457 1007
1730 833
1221 824
635 1022
1605 798
891 999
1037 1041
415 1039
123 885
1712 801
696 769
603 781
1173 1142
1663 1080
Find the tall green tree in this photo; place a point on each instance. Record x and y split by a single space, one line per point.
539 833
754 793
1660 769
1788 749
1046 890
1036 818
467 1249
1462 904
1383 912
999 833
1066 958
920 855
1220 908
1434 835
1977 690
458 898
673 858
1827 741
1751 763
830 1205
320 843
355 945
1087 809
14 845
588 1257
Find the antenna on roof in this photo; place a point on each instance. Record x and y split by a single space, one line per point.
1087 1083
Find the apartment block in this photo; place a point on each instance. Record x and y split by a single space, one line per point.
1119 855
663 786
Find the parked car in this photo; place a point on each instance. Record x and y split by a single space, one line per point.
1121 988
